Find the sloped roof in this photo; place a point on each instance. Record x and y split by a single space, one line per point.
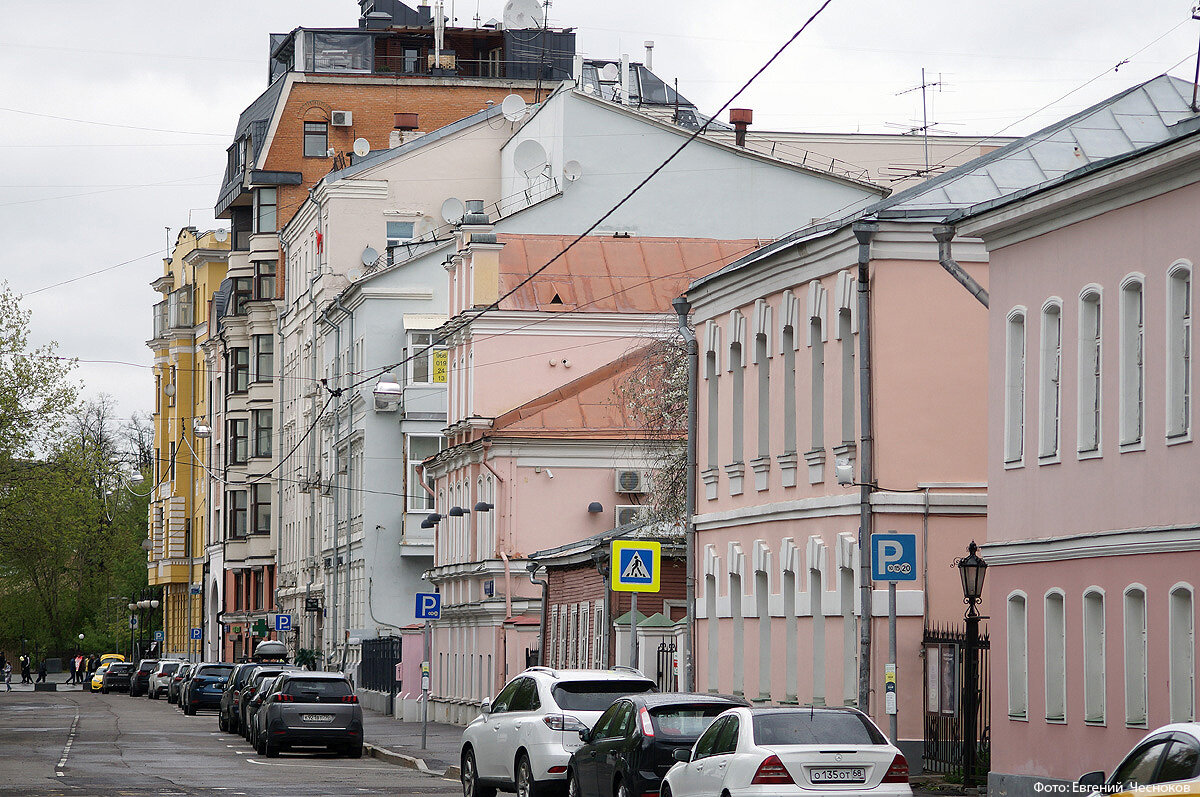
603 274
588 407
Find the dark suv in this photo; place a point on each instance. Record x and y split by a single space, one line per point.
139 683
204 687
228 715
116 677
310 709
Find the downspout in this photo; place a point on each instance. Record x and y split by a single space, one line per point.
277 368
349 369
507 617
545 585
944 233
864 231
337 415
682 308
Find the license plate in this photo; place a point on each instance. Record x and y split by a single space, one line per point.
838 775
317 717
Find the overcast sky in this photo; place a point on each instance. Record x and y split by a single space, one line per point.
115 114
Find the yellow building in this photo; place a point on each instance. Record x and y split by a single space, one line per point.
181 387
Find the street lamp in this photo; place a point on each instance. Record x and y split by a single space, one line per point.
972 568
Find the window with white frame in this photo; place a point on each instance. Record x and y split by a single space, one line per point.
1018 658
1049 388
1133 375
585 632
735 604
818 383
601 636
789 389
714 642
764 395
762 594
1135 656
420 448
714 417
427 359
552 639
1179 351
816 597
846 334
1094 684
1182 674
1090 365
1056 656
737 405
398 232
1014 387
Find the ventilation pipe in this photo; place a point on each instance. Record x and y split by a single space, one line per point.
944 233
649 55
545 585
740 118
626 81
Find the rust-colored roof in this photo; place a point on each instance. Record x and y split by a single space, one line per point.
603 274
591 406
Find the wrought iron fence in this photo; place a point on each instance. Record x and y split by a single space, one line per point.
666 667
379 660
946 693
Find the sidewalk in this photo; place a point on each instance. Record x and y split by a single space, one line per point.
59 678
400 743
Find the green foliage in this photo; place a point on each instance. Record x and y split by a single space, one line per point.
307 658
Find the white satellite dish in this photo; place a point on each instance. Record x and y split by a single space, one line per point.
222 235
453 210
611 73
529 156
572 170
522 14
514 107
369 256
361 147
355 274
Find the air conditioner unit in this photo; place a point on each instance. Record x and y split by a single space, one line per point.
631 481
629 514
341 118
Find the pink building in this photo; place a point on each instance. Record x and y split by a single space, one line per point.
1093 539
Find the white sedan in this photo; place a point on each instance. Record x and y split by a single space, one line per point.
815 752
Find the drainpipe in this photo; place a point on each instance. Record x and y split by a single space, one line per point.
337 431
277 367
944 233
545 585
507 587
864 231
682 308
349 369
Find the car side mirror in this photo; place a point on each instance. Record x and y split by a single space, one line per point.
485 708
586 735
682 754
1092 779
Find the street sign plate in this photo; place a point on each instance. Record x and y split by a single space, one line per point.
894 557
636 565
159 636
133 621
197 633
429 606
283 622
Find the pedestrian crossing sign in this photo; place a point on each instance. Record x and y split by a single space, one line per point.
635 565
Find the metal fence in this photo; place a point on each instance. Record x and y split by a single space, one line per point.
946 694
379 660
666 667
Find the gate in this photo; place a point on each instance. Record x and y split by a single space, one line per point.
666 667
946 690
379 660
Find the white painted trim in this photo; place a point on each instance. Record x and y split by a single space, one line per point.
1123 542
845 505
1180 265
1126 597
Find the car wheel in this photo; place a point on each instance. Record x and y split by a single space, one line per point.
270 750
355 750
469 773
104 690
222 725
622 789
665 791
526 785
261 747
572 784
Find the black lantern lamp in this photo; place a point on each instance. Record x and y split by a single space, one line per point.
973 569
431 520
484 506
458 511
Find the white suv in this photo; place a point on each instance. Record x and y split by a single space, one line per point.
523 738
160 679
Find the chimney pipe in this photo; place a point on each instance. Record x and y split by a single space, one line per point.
740 118
650 55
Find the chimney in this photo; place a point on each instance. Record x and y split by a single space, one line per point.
740 118
404 129
649 55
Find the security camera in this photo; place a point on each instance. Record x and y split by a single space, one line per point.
844 469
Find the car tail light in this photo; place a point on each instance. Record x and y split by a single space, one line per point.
898 771
350 699
772 772
558 770
282 698
647 725
563 722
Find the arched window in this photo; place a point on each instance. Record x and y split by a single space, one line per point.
1056 656
849 373
764 395
816 597
762 595
737 405
1182 676
739 641
1135 656
1018 657
1179 351
1049 388
1090 366
1014 387
714 414
714 640
1093 656
1133 368
789 390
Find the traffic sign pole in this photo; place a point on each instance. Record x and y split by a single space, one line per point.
633 640
893 558
425 691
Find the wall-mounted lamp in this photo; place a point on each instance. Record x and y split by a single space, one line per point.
388 393
458 511
431 520
484 506
595 507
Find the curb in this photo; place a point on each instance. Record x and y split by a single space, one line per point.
400 759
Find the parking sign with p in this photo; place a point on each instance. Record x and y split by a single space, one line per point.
894 557
429 606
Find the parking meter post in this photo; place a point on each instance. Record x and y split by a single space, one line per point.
893 721
425 692
633 640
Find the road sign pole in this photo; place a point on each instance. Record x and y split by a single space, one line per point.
425 691
633 640
892 709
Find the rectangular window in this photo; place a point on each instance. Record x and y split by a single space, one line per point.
239 370
264 358
266 202
264 279
262 433
1056 658
1179 352
1135 658
764 395
420 449
737 406
171 464
239 580
1089 372
1133 381
1014 389
1093 657
398 232
238 442
1183 656
260 507
816 334
1049 387
714 418
849 373
1018 659
243 292
316 140
428 363
236 514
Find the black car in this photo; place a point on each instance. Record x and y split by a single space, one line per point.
139 684
178 681
252 699
228 715
204 687
116 677
633 744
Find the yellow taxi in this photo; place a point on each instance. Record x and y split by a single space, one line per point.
98 677
108 658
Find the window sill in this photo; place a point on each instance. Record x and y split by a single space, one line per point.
1174 440
1096 723
1018 718
1094 453
1130 448
1013 464
1050 459
1056 720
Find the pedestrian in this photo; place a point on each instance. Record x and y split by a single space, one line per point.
41 679
7 677
26 678
79 668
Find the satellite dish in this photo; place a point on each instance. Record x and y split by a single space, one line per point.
572 170
355 274
369 256
611 73
514 107
361 147
522 14
453 210
222 235
530 156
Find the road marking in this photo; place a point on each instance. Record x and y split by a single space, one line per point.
309 766
62 762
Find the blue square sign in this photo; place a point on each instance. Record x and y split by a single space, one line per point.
197 633
429 606
283 622
894 557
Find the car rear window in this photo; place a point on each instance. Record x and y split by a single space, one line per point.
814 727
314 690
685 722
121 669
215 671
596 695
147 666
167 669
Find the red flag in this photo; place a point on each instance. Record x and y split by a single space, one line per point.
320 242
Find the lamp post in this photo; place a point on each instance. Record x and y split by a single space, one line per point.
972 568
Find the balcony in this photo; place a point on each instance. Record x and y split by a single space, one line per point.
160 320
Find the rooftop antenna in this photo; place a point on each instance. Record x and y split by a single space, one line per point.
168 229
1196 80
924 128
439 33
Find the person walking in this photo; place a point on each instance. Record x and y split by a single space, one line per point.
26 677
41 679
79 668
71 669
7 677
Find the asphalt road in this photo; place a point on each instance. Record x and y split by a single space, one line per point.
77 744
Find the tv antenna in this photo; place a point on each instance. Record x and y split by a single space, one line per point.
923 129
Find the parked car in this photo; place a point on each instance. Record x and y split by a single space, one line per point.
204 686
175 687
792 751
116 677
630 748
260 686
228 715
1170 754
98 677
160 679
306 709
524 738
111 657
139 684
